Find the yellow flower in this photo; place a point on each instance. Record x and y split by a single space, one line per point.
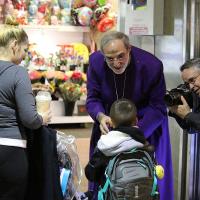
69 73
84 77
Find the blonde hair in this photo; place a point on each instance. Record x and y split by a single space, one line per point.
11 31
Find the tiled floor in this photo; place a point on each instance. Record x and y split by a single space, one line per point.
82 134
83 151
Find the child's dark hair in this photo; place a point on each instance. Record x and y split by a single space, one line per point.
123 112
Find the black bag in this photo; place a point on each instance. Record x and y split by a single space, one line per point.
129 176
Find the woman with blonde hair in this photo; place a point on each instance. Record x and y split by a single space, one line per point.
17 111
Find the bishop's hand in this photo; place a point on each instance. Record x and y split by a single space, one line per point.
105 122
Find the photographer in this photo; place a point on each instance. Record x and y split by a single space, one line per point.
188 117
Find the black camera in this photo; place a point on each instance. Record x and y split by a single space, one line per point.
173 97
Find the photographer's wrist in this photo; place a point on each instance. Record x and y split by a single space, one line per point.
187 116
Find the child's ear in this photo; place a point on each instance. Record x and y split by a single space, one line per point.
113 124
136 120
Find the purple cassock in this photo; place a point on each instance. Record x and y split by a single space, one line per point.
143 83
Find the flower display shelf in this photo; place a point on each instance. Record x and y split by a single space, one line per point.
59 28
71 119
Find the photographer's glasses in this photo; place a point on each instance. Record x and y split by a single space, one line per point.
191 81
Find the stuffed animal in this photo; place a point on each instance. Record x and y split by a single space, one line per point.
77 3
105 24
84 15
100 20
90 3
81 16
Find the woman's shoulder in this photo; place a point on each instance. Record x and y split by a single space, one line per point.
10 69
20 69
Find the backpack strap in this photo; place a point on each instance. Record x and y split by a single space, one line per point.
108 171
103 190
155 183
110 165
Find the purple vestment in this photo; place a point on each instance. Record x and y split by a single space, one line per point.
145 86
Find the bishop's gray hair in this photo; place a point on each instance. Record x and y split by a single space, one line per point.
114 35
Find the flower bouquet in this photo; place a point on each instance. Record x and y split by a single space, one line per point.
69 85
54 79
72 89
37 81
70 93
76 77
35 76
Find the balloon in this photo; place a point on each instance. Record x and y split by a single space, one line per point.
105 24
159 171
84 15
32 9
77 3
64 4
90 3
102 2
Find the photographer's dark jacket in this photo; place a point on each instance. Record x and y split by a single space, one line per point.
191 122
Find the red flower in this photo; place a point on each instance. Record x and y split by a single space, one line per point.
35 75
76 75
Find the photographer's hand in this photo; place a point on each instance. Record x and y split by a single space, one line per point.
181 110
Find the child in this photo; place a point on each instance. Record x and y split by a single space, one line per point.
124 137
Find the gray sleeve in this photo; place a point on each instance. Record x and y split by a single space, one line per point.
25 100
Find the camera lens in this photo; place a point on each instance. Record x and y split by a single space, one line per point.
168 100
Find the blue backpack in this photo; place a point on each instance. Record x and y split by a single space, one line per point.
130 176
